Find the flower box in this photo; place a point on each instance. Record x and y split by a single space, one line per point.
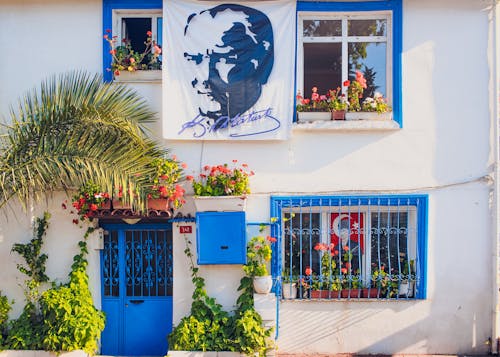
369 293
313 116
153 75
368 116
220 203
406 289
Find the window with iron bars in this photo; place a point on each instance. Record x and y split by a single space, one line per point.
336 247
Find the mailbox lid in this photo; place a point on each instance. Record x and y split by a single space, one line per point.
221 237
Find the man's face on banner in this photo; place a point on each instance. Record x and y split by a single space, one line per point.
231 53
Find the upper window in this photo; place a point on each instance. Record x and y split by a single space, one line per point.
336 42
131 20
133 26
335 46
352 247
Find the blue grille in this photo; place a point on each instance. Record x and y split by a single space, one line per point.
335 247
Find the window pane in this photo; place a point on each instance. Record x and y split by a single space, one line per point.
322 28
135 31
389 243
369 58
367 27
322 67
302 233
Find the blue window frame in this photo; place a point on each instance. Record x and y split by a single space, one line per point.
351 246
336 39
108 7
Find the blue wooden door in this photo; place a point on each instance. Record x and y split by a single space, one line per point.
136 266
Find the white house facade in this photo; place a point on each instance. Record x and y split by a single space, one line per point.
414 195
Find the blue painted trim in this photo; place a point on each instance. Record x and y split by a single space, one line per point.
417 200
107 23
396 7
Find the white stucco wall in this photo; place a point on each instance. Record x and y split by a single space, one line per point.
443 149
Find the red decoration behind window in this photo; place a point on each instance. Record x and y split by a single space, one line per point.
346 226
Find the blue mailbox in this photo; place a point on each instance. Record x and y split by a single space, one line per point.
220 237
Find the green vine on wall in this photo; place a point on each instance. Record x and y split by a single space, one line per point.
210 328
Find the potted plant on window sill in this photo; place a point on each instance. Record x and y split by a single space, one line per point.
407 284
313 109
221 188
128 65
258 256
375 108
289 285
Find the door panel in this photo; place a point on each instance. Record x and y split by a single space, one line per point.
137 290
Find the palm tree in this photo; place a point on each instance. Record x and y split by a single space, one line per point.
73 129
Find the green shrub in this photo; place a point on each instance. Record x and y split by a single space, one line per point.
70 318
5 307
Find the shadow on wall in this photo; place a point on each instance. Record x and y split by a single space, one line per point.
382 327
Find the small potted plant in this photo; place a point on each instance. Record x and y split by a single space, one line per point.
407 285
166 191
289 284
222 188
338 104
258 257
126 60
375 108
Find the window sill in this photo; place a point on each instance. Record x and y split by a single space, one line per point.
146 76
347 125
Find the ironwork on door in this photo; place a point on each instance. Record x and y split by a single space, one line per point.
137 280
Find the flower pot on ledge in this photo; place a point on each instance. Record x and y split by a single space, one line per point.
368 116
313 116
220 203
147 75
262 284
158 204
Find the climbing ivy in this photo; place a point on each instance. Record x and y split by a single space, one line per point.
210 328
27 331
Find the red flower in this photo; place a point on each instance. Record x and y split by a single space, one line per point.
346 83
63 205
343 270
184 165
149 33
113 52
93 207
117 73
308 271
271 239
346 248
189 178
105 37
75 221
108 31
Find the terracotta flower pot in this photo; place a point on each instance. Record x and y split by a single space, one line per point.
338 114
369 293
158 204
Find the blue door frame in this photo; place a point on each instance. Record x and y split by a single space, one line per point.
136 283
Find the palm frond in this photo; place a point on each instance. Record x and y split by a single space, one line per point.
76 128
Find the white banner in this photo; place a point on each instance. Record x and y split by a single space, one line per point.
228 69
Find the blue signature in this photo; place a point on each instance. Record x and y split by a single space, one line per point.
202 125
